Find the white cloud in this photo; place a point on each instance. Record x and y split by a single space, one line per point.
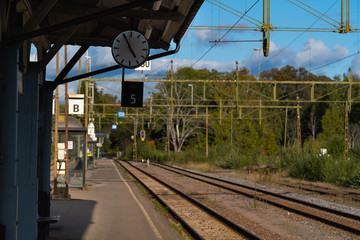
317 53
314 53
355 65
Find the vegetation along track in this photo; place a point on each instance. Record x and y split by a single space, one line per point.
197 219
342 220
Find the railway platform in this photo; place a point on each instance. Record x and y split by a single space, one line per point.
111 207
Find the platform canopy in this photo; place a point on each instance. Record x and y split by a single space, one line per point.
98 22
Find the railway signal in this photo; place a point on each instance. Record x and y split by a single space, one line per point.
142 135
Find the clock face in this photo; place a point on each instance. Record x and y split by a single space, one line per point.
130 49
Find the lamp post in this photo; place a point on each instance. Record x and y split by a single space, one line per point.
259 50
192 93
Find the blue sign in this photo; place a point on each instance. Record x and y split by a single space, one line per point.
121 114
114 127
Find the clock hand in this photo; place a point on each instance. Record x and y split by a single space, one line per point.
127 41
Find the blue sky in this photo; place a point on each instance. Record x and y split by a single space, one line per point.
310 50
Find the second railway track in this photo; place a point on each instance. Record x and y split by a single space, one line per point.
342 220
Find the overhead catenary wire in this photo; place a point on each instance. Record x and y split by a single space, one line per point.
297 37
202 56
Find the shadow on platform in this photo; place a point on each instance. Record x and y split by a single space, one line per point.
76 215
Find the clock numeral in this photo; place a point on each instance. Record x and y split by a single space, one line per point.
138 36
129 62
142 56
145 49
143 42
116 48
122 61
117 40
117 55
137 62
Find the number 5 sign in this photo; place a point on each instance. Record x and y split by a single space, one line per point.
132 94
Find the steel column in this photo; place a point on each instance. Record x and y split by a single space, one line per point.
9 141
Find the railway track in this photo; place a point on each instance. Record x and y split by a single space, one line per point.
324 191
200 221
341 220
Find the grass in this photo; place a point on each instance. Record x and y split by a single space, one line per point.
304 163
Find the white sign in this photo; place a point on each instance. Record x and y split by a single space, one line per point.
61 146
76 104
113 126
61 154
145 67
70 145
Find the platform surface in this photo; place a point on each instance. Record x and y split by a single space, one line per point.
112 207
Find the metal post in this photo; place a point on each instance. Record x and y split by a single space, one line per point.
237 84
66 134
192 93
347 15
260 112
135 132
259 50
56 128
86 111
231 127
79 88
220 111
346 144
274 92
285 131
298 122
312 97
204 91
168 138
342 13
207 132
172 89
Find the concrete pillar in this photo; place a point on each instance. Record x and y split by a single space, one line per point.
8 142
27 164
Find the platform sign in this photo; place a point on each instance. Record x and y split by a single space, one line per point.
114 127
132 94
121 114
76 104
145 67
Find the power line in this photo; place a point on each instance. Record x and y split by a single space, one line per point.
296 38
225 34
339 60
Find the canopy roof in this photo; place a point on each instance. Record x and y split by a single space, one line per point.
98 22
